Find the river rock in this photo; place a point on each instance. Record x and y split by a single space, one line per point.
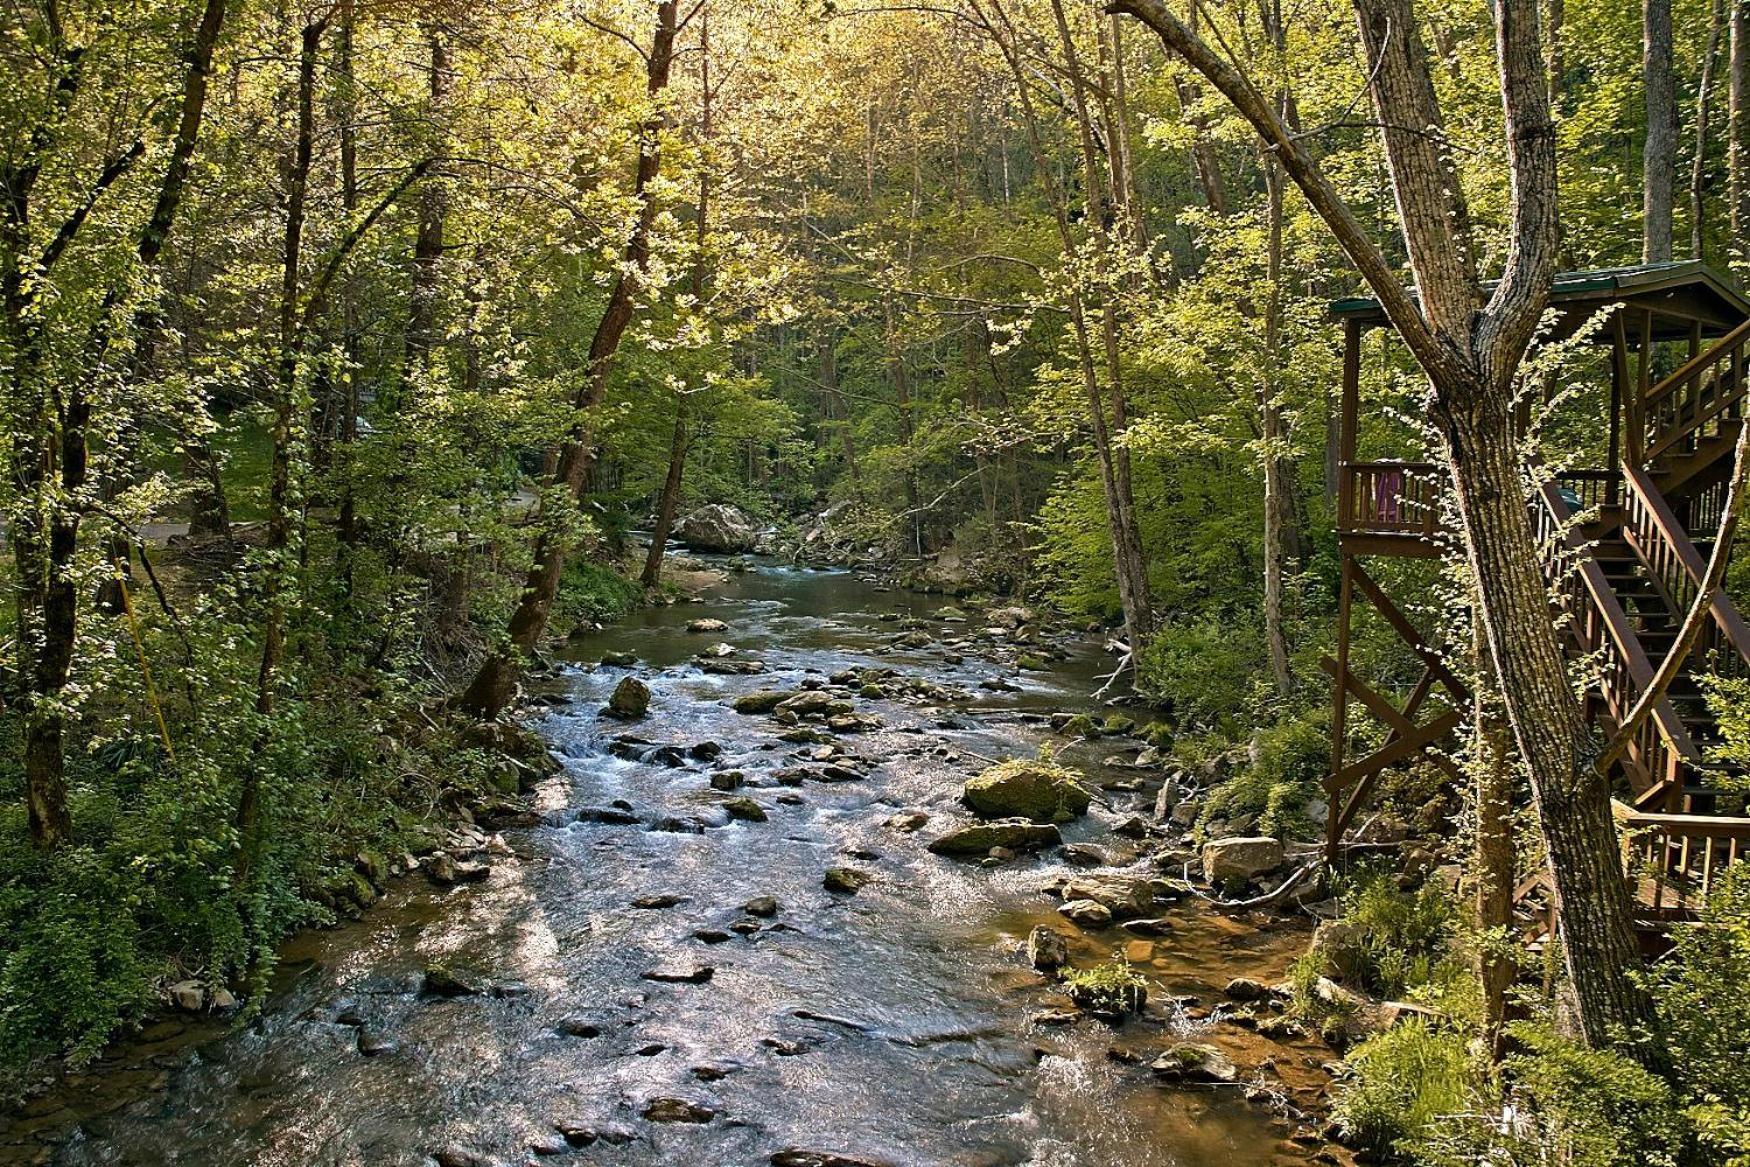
609 815
907 822
1246 990
373 1045
762 906
445 872
759 701
717 527
678 1110
1086 913
845 880
1040 791
1047 950
796 1157
188 996
813 703
658 902
1015 834
727 780
630 699
1236 860
1083 855
619 660
442 981
710 624
1192 1061
680 973
745 809
1121 895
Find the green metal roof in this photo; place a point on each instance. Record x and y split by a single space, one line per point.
1711 294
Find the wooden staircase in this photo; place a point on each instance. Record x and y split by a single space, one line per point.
1625 552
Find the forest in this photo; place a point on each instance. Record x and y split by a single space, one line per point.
1267 472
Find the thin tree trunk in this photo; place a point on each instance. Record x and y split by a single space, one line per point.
1704 96
1278 509
279 512
490 690
1738 127
1128 553
1659 155
678 442
420 337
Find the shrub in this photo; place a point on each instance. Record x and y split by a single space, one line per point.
1288 761
595 591
1708 1047
1401 1083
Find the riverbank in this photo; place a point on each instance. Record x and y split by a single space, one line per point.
620 973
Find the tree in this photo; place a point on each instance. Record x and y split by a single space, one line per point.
1659 155
53 393
1469 344
490 690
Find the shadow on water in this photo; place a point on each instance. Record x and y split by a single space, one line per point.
891 1025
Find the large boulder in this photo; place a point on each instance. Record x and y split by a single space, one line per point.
1123 896
1015 834
717 527
630 699
1238 859
1027 788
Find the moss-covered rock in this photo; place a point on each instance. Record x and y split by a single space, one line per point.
1015 834
1027 788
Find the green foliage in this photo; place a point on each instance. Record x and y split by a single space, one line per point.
1287 763
1707 1046
1114 986
593 591
1594 1108
1400 1084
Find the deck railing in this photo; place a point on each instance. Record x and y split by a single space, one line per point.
1678 569
1677 859
1707 387
1391 498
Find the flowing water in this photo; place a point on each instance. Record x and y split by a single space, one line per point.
891 1026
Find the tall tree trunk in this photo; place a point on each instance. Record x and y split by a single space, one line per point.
1470 347
1738 128
279 507
428 243
1127 551
1278 508
490 690
1704 96
679 441
1493 859
1659 155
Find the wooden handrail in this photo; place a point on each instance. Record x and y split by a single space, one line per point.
1688 399
1698 363
1663 745
1652 529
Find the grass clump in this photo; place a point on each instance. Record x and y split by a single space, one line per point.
1112 987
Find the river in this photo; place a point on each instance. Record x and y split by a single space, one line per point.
892 1026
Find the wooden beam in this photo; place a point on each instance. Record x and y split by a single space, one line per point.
1363 775
1407 631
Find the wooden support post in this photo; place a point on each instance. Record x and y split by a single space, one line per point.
1347 408
1339 708
1635 431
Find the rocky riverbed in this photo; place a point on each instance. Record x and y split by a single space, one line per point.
730 932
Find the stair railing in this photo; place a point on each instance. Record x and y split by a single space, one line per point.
1661 750
1651 528
1677 859
1708 386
